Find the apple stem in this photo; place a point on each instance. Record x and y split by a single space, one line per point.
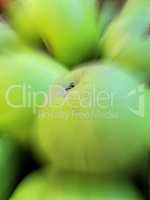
70 86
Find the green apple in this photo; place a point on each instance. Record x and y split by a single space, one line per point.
34 187
127 39
94 121
25 78
9 40
108 12
21 17
64 186
132 6
10 166
69 28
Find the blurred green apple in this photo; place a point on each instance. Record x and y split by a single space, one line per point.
21 17
69 28
127 39
10 166
108 11
9 40
34 187
25 78
64 186
94 121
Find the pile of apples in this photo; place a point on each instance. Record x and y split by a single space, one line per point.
74 100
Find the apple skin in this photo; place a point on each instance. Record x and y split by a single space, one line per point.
59 185
9 40
31 72
34 186
91 127
127 39
21 17
69 28
108 11
11 160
